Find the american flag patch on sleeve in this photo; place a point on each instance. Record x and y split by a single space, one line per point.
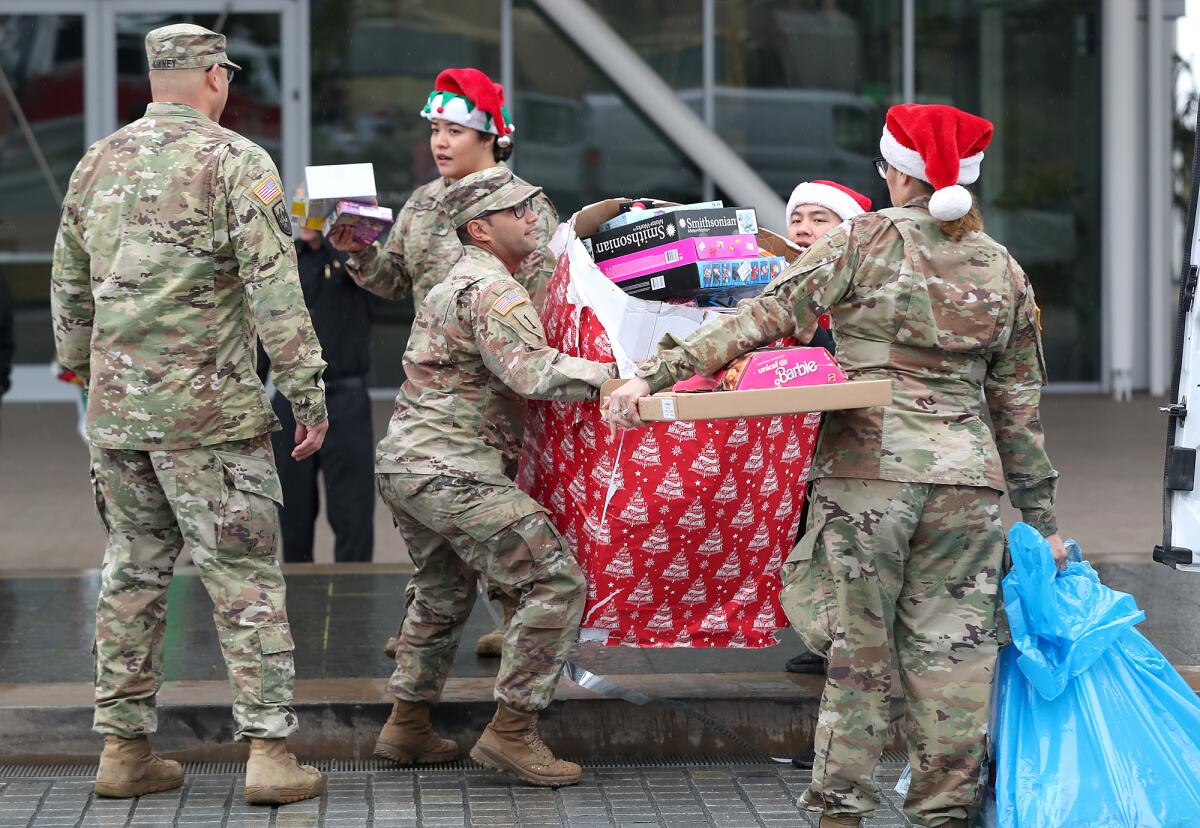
268 192
510 300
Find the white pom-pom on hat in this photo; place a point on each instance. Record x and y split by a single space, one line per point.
950 203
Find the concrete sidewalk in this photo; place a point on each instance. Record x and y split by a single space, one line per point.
1110 456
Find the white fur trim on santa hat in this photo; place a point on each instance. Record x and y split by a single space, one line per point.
909 161
831 198
453 108
950 203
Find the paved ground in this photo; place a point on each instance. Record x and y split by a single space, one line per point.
1110 456
686 796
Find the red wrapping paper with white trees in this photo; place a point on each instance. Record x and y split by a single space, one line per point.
680 528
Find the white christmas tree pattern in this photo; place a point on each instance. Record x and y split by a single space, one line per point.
662 619
609 619
728 491
785 505
658 540
682 430
745 515
731 568
644 594
559 499
587 433
578 488
671 486
571 538
812 419
677 570
714 544
635 511
770 483
693 518
597 531
792 450
568 449
765 621
647 453
546 460
747 593
738 641
761 539
621 564
740 435
698 594
591 587
630 639
708 463
715 621
755 463
775 562
684 639
776 427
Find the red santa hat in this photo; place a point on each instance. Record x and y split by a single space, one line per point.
469 98
835 197
940 145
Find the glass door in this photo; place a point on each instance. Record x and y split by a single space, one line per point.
266 98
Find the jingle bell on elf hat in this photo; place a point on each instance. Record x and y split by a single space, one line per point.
839 199
942 146
469 98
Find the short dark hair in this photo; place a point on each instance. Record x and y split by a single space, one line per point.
500 152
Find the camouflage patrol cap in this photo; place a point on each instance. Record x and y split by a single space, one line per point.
486 191
186 46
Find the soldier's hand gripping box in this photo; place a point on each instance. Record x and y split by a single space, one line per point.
367 222
669 227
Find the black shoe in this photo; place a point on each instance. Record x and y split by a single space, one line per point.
805 760
806 662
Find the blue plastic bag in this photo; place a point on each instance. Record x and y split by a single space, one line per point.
1093 727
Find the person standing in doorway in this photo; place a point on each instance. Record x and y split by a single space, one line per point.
341 315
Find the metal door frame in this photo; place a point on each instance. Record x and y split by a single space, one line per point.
293 65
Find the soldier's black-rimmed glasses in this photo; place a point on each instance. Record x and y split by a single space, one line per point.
229 70
881 166
518 210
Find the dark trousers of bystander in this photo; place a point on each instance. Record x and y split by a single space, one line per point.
347 464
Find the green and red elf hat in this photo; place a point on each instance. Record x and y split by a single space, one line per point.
469 98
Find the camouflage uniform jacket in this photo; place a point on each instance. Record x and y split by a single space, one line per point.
173 251
951 324
477 347
422 247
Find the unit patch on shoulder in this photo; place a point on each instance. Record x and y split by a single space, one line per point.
512 299
268 191
281 218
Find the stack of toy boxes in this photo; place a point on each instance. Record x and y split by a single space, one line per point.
704 253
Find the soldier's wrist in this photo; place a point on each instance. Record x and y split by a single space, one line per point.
1043 520
655 372
311 415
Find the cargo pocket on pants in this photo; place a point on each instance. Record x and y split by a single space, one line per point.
808 596
251 495
277 668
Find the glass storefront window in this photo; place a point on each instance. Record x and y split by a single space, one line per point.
42 57
1014 63
802 85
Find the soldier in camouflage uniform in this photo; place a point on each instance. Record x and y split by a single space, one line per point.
476 349
905 521
471 132
173 251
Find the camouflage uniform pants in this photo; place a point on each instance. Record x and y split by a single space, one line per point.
218 502
457 530
914 568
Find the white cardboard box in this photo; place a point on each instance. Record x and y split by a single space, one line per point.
327 184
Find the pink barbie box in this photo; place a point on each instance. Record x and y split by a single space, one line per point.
682 252
772 368
788 368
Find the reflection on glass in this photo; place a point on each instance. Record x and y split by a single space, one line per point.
1014 62
42 57
802 86
373 64
252 42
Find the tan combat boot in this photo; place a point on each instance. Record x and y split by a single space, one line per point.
511 744
274 777
845 821
409 739
128 768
